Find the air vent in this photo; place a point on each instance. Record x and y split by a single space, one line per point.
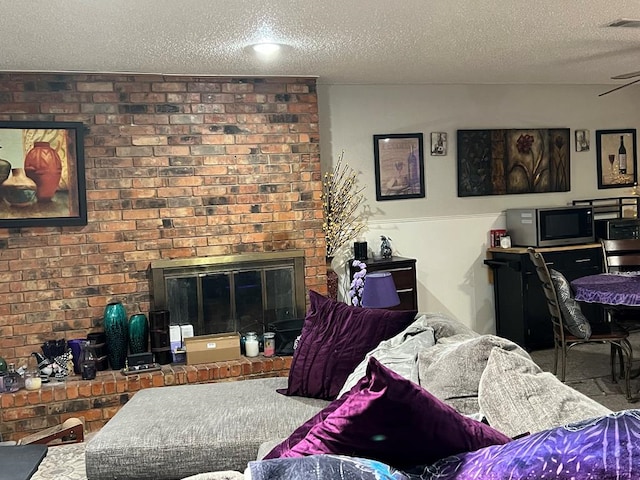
625 22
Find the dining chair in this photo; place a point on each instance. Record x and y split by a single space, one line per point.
622 255
561 305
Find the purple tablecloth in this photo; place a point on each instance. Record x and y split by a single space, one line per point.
609 288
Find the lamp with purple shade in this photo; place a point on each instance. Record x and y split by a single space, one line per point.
379 291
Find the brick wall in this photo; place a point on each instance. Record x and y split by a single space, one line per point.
176 167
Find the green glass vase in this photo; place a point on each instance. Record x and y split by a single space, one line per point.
138 333
116 329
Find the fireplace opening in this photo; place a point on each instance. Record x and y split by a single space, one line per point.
230 293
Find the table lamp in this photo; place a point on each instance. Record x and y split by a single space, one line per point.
379 291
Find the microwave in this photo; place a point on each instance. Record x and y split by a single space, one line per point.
550 226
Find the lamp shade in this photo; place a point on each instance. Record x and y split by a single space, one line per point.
379 291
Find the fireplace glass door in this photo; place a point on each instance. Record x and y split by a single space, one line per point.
230 298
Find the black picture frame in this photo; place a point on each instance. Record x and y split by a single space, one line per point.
42 174
399 166
513 161
608 159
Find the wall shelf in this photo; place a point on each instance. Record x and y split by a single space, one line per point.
613 207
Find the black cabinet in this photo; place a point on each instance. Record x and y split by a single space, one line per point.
403 271
521 307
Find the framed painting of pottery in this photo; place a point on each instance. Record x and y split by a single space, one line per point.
511 161
42 180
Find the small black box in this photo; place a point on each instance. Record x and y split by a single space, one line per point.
360 250
286 333
136 359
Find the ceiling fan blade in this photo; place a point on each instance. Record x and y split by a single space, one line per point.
618 88
626 76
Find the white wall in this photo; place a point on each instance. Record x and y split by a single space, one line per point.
446 234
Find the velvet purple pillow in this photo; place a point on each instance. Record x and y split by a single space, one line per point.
389 419
598 448
335 338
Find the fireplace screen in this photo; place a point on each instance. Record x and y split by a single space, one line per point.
238 293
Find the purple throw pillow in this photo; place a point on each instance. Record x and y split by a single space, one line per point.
335 338
389 419
601 447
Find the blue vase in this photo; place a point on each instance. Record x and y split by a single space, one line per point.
116 329
138 333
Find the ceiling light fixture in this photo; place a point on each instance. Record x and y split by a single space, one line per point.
266 48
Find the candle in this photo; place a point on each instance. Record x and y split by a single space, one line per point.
33 381
251 347
269 344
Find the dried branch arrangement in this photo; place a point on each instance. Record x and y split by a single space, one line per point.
341 197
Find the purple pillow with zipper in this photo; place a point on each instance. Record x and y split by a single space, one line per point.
390 419
335 338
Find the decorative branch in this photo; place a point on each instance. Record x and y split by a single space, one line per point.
341 197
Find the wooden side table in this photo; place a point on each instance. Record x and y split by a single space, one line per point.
403 271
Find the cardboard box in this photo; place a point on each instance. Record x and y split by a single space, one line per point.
218 347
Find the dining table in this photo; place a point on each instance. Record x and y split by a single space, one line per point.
617 290
613 289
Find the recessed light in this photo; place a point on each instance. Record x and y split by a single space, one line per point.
266 47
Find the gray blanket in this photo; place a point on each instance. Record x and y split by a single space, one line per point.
399 353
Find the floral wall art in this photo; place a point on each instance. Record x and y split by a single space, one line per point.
511 161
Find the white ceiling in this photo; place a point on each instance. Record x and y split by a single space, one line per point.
339 41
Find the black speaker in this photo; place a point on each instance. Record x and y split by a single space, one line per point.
360 250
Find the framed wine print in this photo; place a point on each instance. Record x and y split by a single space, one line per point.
42 179
438 143
399 166
583 141
617 158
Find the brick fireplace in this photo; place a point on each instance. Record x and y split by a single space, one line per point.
176 167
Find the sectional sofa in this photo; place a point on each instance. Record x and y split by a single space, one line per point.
393 394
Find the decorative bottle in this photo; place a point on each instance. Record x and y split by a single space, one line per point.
622 156
42 164
116 331
87 362
414 172
19 190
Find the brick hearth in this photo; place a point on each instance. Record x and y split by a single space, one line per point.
96 401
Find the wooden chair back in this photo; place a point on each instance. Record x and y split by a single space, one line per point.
553 303
621 255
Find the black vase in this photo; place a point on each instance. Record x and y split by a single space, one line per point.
138 333
159 328
117 333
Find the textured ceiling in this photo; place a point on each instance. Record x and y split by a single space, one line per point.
338 41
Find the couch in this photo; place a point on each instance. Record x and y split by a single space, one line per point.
422 396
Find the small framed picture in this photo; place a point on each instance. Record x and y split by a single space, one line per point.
399 166
582 140
617 160
438 143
